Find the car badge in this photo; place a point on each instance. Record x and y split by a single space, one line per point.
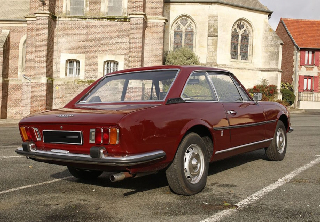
65 115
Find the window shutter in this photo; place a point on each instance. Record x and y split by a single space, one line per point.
301 83
302 58
316 59
316 84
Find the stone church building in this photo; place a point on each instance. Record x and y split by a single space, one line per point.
50 50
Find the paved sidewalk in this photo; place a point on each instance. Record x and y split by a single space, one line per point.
305 111
295 111
9 122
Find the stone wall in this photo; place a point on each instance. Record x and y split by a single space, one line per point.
4 71
89 38
134 39
11 77
153 52
272 48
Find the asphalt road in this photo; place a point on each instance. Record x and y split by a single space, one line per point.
243 188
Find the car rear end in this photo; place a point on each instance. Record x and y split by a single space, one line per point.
89 141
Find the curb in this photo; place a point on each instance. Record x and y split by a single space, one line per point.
296 111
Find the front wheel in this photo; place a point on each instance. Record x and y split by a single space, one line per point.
187 174
84 174
278 147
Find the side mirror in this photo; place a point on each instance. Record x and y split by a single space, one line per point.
257 96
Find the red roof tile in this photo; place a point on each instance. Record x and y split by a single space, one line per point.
306 33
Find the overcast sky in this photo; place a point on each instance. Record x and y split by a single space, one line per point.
299 9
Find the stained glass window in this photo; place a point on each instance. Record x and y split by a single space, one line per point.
183 33
244 47
177 39
240 40
234 44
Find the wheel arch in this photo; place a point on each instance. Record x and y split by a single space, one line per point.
203 130
283 118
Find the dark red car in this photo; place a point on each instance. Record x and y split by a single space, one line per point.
140 121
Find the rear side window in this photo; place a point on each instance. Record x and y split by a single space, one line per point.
198 88
225 88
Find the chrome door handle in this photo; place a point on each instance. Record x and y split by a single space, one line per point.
231 112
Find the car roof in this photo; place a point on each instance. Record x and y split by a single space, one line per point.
181 68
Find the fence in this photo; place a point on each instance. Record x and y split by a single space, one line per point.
309 96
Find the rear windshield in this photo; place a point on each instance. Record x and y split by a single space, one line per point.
132 87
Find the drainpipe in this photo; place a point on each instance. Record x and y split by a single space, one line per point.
296 79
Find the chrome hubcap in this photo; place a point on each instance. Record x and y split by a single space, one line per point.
193 164
280 140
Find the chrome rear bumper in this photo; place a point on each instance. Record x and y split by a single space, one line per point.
128 160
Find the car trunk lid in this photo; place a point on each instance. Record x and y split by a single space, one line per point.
89 114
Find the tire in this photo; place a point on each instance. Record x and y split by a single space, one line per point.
187 174
278 147
84 174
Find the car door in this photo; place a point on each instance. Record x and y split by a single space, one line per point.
198 89
246 118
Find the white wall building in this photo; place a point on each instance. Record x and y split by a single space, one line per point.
230 34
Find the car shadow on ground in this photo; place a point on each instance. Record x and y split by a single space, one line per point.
159 180
235 161
136 185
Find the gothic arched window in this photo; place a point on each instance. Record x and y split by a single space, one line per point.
183 33
241 39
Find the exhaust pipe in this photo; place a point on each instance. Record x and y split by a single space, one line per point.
120 176
123 175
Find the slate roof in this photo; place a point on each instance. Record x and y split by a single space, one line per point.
14 9
248 4
305 33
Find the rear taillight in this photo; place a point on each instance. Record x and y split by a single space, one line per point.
98 136
30 134
114 136
104 136
24 134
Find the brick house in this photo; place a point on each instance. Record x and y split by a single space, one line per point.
300 59
50 50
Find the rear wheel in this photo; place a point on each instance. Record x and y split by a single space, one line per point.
84 174
278 147
188 172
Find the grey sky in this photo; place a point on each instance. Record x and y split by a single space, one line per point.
299 9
